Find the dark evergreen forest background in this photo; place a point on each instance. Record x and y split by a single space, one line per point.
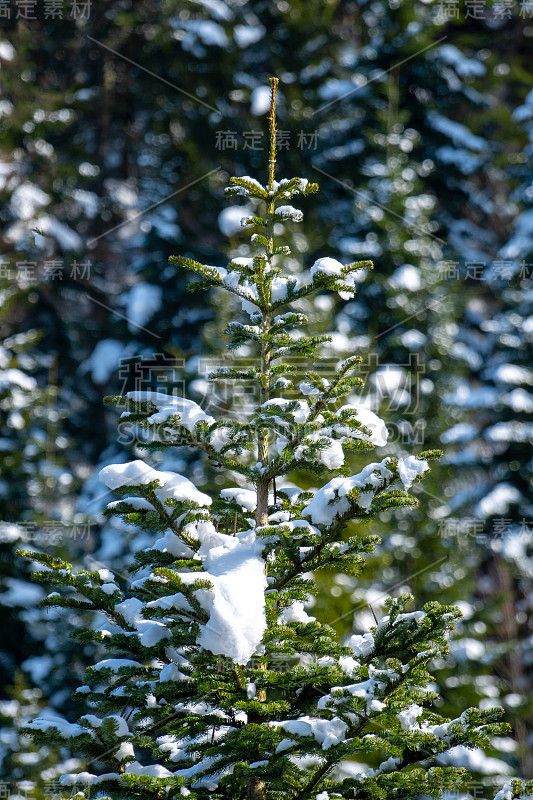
120 123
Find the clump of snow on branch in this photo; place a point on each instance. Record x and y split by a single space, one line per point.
236 603
233 565
189 412
137 473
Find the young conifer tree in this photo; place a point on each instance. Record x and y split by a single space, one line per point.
218 684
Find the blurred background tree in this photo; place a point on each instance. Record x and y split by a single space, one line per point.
119 129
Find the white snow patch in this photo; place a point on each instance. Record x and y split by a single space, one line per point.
88 201
26 199
153 770
289 212
361 644
513 373
294 613
260 100
327 732
410 468
332 456
519 400
236 604
236 601
21 593
171 543
406 277
190 412
66 729
97 722
104 360
327 266
460 134
7 51
473 760
378 430
300 413
207 31
497 501
467 649
409 716
388 379
66 238
115 664
247 498
245 35
142 301
332 499
465 67
15 377
461 432
137 473
229 219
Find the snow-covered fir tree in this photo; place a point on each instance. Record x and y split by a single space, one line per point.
216 681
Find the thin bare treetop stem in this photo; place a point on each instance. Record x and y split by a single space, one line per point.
272 127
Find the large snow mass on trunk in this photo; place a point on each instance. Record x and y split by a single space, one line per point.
236 604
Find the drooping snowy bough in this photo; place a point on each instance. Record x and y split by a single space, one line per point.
215 681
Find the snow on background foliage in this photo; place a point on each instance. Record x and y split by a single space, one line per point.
478 330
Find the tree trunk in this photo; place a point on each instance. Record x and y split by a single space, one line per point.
261 517
255 789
